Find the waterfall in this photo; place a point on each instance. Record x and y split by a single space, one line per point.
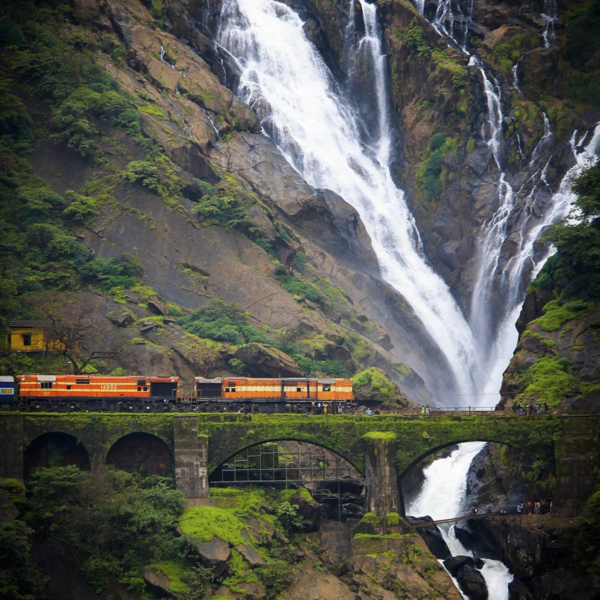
493 326
441 497
302 109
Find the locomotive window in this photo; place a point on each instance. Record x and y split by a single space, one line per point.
326 388
298 389
68 387
232 384
145 389
142 383
80 381
26 339
46 385
226 389
139 389
233 389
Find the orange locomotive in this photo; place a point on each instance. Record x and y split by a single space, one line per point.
282 390
96 387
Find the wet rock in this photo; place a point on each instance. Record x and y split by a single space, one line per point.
214 555
471 581
262 361
158 583
432 537
253 558
517 590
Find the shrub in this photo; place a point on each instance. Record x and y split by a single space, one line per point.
275 575
81 209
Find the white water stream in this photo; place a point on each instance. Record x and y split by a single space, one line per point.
442 496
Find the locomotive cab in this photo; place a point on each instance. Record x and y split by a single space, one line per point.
164 387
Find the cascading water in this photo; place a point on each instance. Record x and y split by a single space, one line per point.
498 277
441 497
283 77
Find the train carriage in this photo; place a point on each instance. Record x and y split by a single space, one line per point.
7 389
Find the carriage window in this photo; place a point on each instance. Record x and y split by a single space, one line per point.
46 385
326 388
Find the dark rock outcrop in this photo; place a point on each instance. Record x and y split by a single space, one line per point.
471 581
432 536
262 361
214 554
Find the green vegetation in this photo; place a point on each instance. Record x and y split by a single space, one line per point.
588 540
203 523
19 576
555 313
222 321
381 436
549 380
374 383
113 522
581 46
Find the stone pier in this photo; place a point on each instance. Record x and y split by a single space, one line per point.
190 454
380 473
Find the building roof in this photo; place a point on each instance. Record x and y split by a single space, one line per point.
26 324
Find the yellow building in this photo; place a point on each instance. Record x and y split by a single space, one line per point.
29 336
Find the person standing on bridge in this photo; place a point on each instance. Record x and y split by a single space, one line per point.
422 411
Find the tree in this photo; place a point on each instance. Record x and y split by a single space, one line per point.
74 329
577 239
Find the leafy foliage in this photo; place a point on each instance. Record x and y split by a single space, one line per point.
574 271
114 522
275 575
225 322
19 577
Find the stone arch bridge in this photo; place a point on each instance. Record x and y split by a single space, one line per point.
383 447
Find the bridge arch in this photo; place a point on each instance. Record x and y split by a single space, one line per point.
140 451
55 449
447 444
299 439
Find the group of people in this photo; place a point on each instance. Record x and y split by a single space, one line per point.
543 507
425 410
370 413
532 409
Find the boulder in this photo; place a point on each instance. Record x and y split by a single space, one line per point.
309 584
432 537
158 584
214 555
261 361
157 307
253 558
470 580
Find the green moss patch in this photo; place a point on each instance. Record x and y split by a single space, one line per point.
382 436
203 523
555 313
176 572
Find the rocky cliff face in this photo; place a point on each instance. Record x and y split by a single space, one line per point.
176 173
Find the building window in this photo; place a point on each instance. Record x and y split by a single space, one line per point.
26 339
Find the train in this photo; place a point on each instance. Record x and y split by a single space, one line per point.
138 393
